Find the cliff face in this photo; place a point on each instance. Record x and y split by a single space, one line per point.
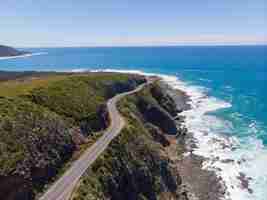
156 115
6 51
136 165
41 130
174 101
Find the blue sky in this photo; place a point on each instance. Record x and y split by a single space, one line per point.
132 22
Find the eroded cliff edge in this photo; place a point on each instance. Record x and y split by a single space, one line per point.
141 162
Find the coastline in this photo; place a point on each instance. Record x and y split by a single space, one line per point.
222 159
207 154
199 183
239 169
22 56
191 163
212 152
196 177
196 181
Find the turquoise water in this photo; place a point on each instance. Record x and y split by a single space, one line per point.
233 75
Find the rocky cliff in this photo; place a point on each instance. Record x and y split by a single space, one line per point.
137 164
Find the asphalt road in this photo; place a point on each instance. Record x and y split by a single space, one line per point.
63 187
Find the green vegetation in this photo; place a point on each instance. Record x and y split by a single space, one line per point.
13 88
41 118
78 97
73 96
134 165
23 123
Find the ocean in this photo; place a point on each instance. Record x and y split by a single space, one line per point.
228 90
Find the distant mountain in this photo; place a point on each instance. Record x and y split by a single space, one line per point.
6 51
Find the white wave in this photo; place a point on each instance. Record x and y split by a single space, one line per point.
23 56
227 156
78 70
205 80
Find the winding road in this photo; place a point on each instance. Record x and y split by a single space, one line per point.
63 187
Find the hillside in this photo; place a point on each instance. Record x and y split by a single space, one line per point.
137 165
6 51
46 120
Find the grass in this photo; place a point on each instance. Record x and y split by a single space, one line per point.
73 96
76 97
133 151
13 88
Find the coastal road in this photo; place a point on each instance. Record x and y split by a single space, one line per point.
63 187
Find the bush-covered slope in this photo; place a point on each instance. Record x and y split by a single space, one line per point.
34 143
78 97
40 120
135 166
28 132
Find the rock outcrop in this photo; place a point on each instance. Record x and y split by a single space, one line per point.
156 115
136 165
164 100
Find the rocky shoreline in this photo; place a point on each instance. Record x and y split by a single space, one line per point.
197 183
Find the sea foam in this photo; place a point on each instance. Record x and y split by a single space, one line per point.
230 157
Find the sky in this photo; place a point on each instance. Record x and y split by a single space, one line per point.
29 23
